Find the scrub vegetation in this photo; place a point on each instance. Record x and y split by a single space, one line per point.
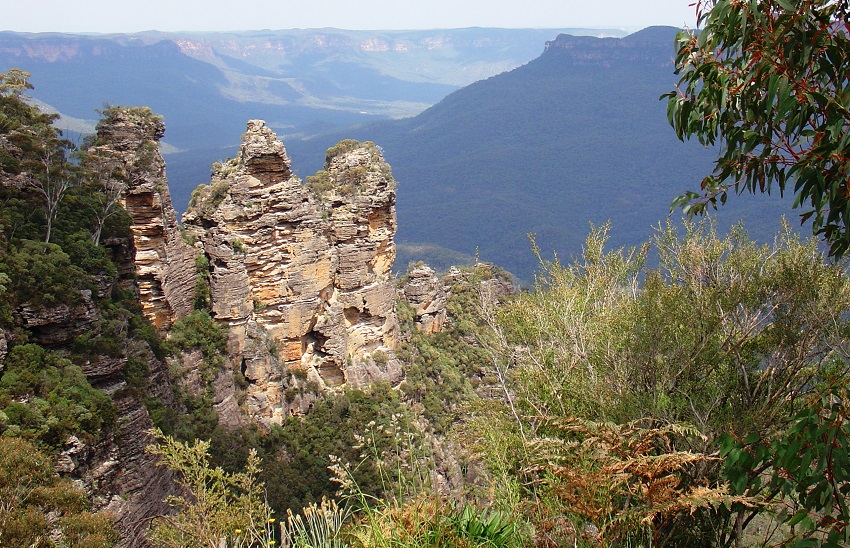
691 391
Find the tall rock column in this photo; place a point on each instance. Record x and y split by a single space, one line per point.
164 262
300 274
357 192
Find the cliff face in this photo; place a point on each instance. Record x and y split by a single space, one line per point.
164 263
122 477
300 276
113 466
427 296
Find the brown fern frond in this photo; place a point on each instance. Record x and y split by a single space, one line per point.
626 479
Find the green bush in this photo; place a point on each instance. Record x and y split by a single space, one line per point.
43 275
200 331
346 145
37 505
59 399
332 427
206 198
433 522
723 335
93 259
203 296
320 183
213 504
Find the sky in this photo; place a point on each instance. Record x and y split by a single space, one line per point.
108 16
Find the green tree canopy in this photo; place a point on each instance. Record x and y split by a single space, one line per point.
31 148
769 81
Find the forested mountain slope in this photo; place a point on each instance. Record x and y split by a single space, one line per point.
578 135
300 81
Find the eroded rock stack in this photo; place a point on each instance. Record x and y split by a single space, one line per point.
426 294
164 262
299 274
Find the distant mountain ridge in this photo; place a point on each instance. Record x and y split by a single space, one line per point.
302 82
576 136
387 73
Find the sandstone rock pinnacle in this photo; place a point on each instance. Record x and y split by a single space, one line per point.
164 263
300 274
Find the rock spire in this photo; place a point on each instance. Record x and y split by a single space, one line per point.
164 262
300 274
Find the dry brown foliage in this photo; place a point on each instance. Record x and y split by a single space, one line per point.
625 481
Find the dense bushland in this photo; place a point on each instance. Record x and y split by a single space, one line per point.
625 382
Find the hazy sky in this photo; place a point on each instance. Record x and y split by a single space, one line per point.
179 15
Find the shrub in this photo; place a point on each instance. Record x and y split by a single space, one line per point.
206 198
333 427
61 400
723 335
37 505
203 295
215 504
320 183
200 331
43 275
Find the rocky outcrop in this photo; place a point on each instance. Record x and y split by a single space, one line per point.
300 274
491 283
121 476
140 487
426 294
59 324
112 466
156 264
429 295
164 263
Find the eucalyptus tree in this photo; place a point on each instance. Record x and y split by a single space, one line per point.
769 81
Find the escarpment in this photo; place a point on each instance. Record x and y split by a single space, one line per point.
300 275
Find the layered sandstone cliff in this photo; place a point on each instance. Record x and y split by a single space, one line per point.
299 274
164 263
115 468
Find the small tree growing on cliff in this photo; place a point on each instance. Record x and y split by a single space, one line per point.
53 175
216 503
105 171
39 154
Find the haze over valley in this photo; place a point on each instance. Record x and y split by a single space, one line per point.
492 137
325 288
